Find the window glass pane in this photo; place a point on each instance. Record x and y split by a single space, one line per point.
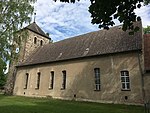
97 81
97 87
122 79
127 79
122 73
97 78
123 85
128 85
126 73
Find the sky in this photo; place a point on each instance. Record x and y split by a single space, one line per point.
65 20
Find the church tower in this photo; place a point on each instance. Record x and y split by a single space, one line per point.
30 39
34 38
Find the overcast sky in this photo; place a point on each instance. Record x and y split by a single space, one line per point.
63 20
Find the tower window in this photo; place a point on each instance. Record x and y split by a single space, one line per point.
35 40
125 80
97 79
41 42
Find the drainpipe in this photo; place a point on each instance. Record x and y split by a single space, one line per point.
142 79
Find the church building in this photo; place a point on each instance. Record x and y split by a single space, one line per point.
108 66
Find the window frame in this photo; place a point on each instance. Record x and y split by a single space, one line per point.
26 80
64 74
41 42
125 80
38 80
35 40
51 83
97 79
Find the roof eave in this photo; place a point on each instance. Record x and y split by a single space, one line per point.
61 60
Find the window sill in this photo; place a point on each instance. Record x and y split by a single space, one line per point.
125 89
50 88
97 90
36 88
62 89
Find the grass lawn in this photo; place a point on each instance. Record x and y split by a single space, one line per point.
16 104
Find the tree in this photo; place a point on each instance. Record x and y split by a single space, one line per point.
104 11
147 30
13 14
2 75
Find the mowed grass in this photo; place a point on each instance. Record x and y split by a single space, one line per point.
17 104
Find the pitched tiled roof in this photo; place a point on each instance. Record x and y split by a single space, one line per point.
100 42
35 28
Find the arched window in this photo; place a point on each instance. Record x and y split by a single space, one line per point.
35 40
38 80
26 80
64 80
51 84
41 42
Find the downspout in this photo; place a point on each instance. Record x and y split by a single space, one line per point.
142 79
141 60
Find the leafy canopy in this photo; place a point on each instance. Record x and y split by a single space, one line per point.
147 30
13 13
103 12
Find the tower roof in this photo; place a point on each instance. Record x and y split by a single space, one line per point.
35 28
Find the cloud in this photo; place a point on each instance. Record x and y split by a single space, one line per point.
64 20
144 13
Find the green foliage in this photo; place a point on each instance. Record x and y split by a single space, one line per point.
147 30
13 13
2 75
2 81
103 12
12 104
146 2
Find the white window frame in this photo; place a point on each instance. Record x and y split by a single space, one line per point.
125 80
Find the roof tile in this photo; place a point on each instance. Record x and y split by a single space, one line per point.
35 28
100 42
